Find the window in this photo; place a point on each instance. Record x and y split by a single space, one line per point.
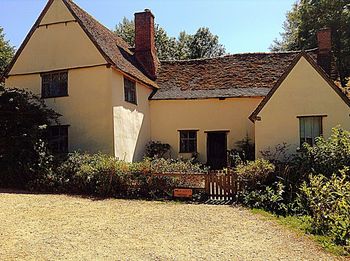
130 91
58 138
188 141
54 84
310 128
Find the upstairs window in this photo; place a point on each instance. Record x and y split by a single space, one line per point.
130 91
58 138
188 141
310 129
54 84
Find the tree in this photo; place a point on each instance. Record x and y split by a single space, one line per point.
24 118
202 44
6 52
306 18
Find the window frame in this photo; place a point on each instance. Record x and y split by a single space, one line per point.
188 139
130 90
58 138
303 139
47 92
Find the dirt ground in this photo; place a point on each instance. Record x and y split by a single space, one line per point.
58 227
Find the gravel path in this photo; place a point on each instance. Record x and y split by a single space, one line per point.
54 227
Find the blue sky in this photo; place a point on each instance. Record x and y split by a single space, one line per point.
242 25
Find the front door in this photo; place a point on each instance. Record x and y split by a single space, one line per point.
217 150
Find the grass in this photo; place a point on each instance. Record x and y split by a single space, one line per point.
302 225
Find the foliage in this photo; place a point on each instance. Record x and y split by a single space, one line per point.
309 16
6 52
245 150
24 118
161 165
255 172
202 44
157 149
328 202
327 156
105 176
270 198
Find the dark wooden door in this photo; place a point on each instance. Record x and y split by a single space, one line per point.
217 150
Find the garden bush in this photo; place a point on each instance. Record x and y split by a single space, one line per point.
105 176
328 202
24 118
327 156
156 149
255 173
270 198
161 165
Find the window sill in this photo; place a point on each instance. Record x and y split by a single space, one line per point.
52 97
134 103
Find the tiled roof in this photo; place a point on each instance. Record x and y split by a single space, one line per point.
237 75
113 48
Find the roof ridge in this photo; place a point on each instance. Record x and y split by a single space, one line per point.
239 54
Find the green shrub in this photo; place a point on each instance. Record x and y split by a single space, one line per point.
270 198
24 118
105 176
254 173
328 203
161 165
327 156
157 149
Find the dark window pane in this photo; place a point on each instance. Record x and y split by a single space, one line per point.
188 141
58 138
54 84
130 91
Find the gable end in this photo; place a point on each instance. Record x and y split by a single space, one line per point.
320 71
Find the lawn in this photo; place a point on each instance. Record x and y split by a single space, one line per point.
59 227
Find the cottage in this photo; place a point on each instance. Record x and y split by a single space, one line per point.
115 98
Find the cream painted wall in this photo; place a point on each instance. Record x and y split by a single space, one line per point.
132 130
231 114
303 93
57 12
99 118
57 46
87 109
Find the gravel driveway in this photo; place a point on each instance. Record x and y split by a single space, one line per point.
55 227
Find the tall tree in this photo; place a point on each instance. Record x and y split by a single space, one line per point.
307 17
6 52
202 44
205 44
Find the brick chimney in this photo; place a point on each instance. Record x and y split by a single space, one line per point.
145 49
324 55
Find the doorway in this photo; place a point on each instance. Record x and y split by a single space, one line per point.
217 149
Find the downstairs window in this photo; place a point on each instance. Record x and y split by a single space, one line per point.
310 129
57 137
188 141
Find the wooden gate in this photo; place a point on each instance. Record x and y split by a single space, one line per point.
222 185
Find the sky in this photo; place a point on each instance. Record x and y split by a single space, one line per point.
242 25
